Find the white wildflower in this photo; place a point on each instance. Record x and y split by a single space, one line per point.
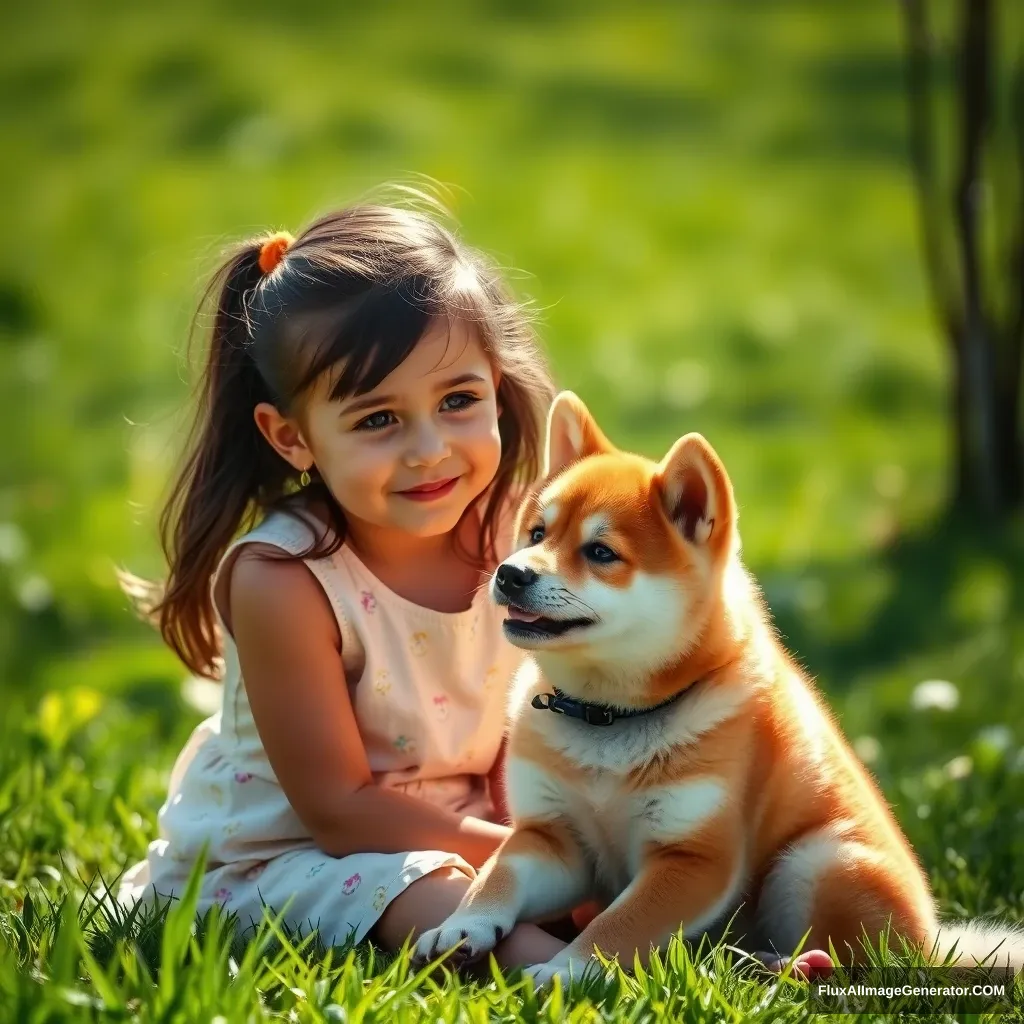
998 737
12 543
35 593
959 768
935 693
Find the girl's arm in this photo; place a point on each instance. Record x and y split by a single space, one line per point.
289 648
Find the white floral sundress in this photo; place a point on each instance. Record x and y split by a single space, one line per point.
428 689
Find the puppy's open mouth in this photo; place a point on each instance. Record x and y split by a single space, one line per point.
521 623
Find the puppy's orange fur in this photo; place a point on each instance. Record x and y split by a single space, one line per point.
740 797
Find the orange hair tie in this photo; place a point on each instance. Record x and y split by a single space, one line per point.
273 250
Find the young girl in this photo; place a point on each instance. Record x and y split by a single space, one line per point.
371 403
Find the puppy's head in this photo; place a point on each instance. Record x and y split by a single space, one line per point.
619 558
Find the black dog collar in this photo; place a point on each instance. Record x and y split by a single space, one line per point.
594 714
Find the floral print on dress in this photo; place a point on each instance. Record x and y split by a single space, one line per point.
350 885
223 896
217 793
441 703
380 897
242 777
405 744
368 601
316 869
232 828
382 682
418 643
490 678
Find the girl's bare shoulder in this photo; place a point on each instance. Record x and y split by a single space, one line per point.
269 589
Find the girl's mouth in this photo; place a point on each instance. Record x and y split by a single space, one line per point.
432 491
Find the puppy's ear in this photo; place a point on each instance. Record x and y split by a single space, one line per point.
573 434
696 492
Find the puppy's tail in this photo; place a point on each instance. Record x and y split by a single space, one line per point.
969 943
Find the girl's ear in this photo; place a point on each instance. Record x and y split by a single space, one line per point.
284 435
573 434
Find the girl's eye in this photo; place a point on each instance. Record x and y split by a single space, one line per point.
461 400
536 534
600 553
376 421
384 418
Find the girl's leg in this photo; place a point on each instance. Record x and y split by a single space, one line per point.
433 898
568 927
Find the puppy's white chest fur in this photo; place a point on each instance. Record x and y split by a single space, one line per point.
615 822
606 825
614 825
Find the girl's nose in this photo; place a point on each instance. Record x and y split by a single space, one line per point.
428 447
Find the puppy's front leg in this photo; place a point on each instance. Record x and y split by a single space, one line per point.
674 887
539 872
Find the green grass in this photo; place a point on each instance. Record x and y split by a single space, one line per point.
64 817
712 210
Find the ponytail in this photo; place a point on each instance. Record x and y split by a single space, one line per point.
229 468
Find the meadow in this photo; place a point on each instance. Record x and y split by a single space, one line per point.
710 209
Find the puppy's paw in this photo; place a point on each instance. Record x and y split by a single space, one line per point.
543 975
477 932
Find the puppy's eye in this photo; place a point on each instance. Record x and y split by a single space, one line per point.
536 534
600 553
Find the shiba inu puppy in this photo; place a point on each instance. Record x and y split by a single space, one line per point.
690 771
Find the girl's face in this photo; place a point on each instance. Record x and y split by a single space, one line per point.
414 452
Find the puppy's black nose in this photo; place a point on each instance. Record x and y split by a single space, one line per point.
512 580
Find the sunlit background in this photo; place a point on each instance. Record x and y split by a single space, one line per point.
711 206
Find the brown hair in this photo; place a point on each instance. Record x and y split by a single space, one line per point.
359 286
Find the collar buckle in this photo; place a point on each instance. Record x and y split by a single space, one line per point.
597 716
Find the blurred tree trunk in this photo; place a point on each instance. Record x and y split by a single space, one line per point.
973 236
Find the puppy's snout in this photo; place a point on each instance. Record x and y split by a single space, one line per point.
512 580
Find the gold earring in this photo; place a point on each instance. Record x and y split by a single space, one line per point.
304 478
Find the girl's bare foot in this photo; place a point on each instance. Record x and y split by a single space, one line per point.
810 965
585 913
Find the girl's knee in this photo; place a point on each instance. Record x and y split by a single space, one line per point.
422 905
